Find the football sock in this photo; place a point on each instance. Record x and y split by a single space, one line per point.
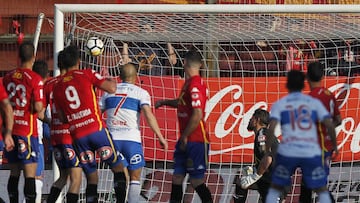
54 194
134 191
176 193
12 188
30 190
120 186
72 198
39 185
204 193
91 193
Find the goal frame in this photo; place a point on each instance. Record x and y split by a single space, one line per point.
60 9
187 8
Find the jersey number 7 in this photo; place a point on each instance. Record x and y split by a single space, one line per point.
121 102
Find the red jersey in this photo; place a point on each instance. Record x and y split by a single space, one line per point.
60 133
194 94
329 101
3 95
75 95
24 87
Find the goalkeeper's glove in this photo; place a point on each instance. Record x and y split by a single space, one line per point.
248 170
248 180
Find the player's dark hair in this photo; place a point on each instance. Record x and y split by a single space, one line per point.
295 80
192 57
263 115
71 55
41 68
60 60
26 51
315 71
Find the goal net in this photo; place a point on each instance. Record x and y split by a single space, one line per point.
247 50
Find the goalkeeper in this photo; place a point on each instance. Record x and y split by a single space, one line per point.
259 177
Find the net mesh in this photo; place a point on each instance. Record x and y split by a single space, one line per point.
246 57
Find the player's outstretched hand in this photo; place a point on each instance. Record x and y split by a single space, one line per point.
248 180
183 143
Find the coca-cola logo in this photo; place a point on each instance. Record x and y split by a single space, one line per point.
218 106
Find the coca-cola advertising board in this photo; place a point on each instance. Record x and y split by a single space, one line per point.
231 104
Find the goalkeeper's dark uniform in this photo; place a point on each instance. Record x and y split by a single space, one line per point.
263 184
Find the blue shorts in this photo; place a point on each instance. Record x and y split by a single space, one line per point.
313 172
101 142
65 156
193 161
27 150
41 164
132 152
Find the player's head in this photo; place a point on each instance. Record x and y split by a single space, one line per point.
60 62
26 52
259 118
128 73
192 59
41 68
295 81
315 71
71 57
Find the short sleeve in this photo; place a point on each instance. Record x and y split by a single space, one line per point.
321 110
3 94
145 98
197 93
38 92
275 112
95 77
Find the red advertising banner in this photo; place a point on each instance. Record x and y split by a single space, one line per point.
231 105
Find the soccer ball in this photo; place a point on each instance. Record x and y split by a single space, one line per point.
94 46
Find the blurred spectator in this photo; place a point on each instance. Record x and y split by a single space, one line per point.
150 57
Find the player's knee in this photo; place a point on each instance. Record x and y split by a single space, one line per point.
29 189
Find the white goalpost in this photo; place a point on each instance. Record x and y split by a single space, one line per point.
247 50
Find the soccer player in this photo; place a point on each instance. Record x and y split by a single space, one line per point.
64 152
123 118
191 151
75 100
260 178
297 115
25 90
314 76
41 68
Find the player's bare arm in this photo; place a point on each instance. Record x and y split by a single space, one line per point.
125 54
172 55
151 120
337 120
7 110
271 136
328 123
167 102
194 121
109 86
